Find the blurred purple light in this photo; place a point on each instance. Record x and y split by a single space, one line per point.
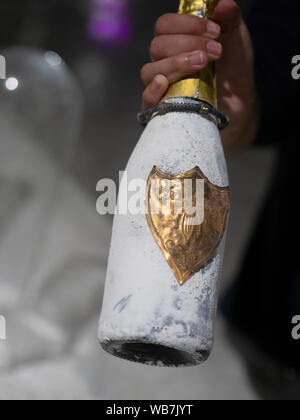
110 21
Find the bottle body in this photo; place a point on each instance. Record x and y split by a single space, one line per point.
147 316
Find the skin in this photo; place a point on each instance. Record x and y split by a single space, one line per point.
184 44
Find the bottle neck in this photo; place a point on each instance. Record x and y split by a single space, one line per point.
200 8
202 86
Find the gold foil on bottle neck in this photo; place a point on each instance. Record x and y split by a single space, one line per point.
203 85
201 8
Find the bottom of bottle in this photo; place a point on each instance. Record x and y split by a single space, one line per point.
154 354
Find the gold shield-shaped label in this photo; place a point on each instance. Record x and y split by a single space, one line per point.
186 241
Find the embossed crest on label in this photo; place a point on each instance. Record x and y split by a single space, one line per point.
187 246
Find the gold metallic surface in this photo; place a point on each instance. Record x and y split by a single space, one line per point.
202 85
187 248
203 8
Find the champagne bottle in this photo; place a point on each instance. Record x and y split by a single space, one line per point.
164 268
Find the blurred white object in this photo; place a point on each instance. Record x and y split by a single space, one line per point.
40 114
49 282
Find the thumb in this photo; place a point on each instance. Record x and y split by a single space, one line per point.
155 91
228 15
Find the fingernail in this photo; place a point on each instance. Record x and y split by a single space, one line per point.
213 29
214 48
197 59
156 84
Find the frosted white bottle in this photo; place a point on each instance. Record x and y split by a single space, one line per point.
147 315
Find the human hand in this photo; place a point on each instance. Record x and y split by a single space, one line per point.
185 44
